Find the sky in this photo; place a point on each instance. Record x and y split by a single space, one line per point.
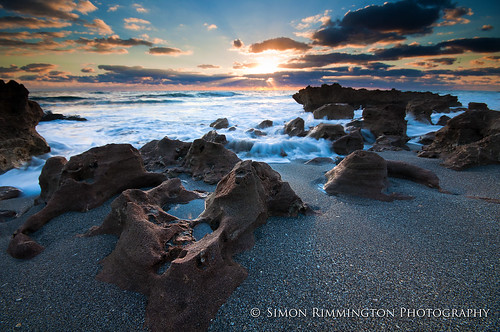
219 44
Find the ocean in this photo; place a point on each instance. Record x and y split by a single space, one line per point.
139 117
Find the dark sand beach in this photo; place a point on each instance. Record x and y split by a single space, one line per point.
438 251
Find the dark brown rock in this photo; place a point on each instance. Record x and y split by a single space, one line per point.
197 276
265 124
390 143
23 247
320 161
385 120
89 179
477 106
220 123
7 192
443 120
209 161
50 177
295 127
467 140
158 155
403 170
255 133
19 140
349 143
313 97
327 131
49 116
334 111
214 137
427 138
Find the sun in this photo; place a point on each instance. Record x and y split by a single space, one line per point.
266 64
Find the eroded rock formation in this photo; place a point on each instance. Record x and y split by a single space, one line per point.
327 131
160 154
334 111
348 143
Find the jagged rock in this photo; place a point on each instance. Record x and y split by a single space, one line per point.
295 127
334 111
443 120
49 116
427 138
420 110
313 97
265 124
478 106
7 192
214 137
158 155
209 161
327 131
390 143
348 143
198 276
469 139
385 120
220 123
86 181
19 140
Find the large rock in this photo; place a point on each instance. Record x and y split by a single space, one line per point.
19 140
469 139
386 119
313 97
348 143
160 154
327 131
220 123
84 182
334 111
214 137
186 281
472 106
265 124
295 127
208 161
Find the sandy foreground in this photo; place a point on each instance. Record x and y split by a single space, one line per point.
431 263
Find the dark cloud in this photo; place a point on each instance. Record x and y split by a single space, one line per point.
25 35
59 9
14 22
8 72
237 43
111 44
321 60
87 70
487 27
434 63
164 51
389 22
278 44
206 66
38 67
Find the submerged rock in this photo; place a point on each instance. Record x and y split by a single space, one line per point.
220 123
265 124
19 140
84 182
295 127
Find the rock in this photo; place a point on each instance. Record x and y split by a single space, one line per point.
390 143
427 138
231 128
7 214
467 140
158 155
385 120
295 127
186 281
49 116
420 110
361 173
349 143
50 177
255 133
22 246
15 207
19 140
265 124
7 192
87 180
313 97
403 170
320 161
327 131
220 123
209 161
334 111
214 137
443 120
478 106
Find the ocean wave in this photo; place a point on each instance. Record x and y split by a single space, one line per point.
217 94
59 98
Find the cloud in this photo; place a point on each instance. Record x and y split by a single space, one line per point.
99 26
140 8
112 44
321 60
133 23
55 9
210 26
25 35
8 72
166 51
487 27
278 44
113 8
237 43
14 22
38 67
454 16
387 23
85 7
205 66
238 65
434 63
307 22
87 70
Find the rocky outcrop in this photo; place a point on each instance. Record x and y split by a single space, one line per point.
327 131
428 138
443 120
334 111
220 123
477 106
186 281
386 119
208 161
84 182
214 137
49 116
348 143
295 127
469 139
313 97
161 154
19 140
